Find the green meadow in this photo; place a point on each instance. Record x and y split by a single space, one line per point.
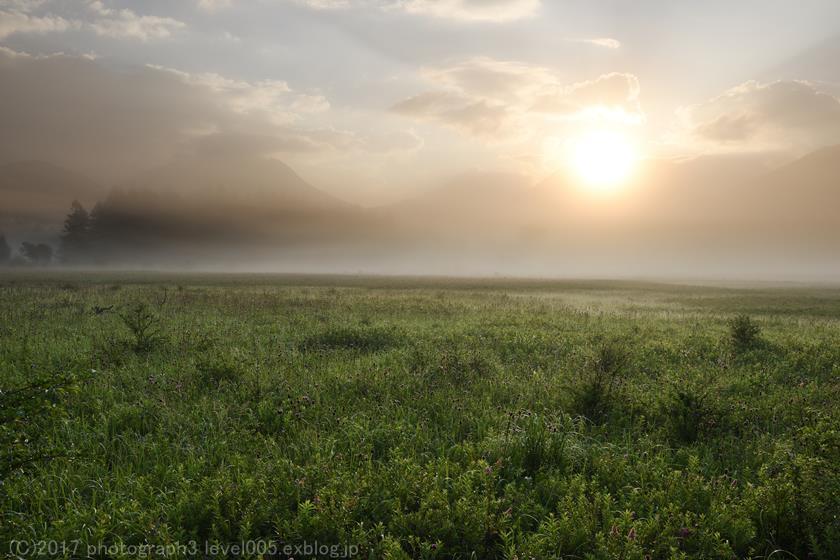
418 418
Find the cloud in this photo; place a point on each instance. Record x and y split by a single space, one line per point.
606 42
483 96
214 5
19 21
28 16
488 11
499 80
474 116
326 4
615 93
271 99
125 23
777 115
472 10
113 123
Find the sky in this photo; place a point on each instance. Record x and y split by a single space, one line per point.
373 100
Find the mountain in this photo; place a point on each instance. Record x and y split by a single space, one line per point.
800 201
241 180
504 205
676 214
232 209
476 201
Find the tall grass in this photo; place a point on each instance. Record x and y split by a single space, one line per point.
422 419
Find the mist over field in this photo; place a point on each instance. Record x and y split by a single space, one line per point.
690 219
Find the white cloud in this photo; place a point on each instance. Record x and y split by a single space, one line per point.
492 11
475 116
125 23
472 10
484 97
22 16
499 80
326 4
754 116
20 21
271 99
606 42
615 93
214 5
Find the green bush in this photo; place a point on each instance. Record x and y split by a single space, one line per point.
744 333
144 326
600 380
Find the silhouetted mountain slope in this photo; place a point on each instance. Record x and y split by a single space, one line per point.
248 180
722 204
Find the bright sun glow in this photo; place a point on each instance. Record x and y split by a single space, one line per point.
603 159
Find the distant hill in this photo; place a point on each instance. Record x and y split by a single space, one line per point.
799 202
491 203
241 180
501 205
210 207
680 214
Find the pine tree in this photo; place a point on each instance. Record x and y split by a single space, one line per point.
5 250
75 239
36 253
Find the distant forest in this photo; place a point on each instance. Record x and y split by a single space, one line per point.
106 233
138 225
82 234
29 253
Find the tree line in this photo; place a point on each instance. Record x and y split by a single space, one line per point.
139 225
82 237
28 253
124 226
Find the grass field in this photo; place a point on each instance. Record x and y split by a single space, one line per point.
420 418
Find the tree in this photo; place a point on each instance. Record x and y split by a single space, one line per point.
5 250
39 254
75 239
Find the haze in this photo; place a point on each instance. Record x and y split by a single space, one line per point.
463 137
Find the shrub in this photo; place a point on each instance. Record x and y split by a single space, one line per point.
688 414
744 333
144 326
600 380
536 441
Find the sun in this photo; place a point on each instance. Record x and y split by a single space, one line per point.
602 159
